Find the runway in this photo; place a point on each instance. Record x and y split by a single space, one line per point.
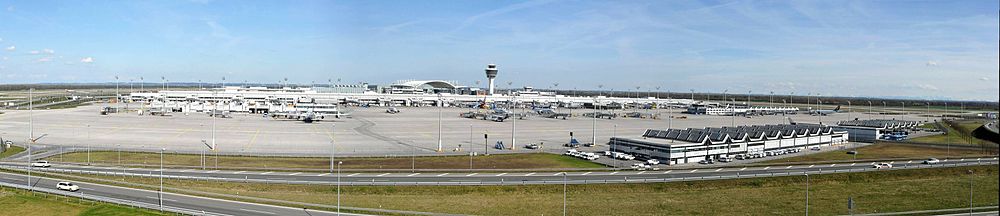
189 204
476 177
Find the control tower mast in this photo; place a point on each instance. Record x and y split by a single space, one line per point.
491 74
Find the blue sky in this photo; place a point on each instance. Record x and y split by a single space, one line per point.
916 49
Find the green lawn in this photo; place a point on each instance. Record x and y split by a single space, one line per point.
881 151
496 161
11 151
882 191
959 133
22 203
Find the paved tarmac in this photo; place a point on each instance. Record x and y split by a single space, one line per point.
370 132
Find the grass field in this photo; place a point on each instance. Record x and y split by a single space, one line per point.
22 203
884 191
11 151
959 133
496 161
881 151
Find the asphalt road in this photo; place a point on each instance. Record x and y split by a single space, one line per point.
206 205
474 177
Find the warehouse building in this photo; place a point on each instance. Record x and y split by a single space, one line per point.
873 129
675 146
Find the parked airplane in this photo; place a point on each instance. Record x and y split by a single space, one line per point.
307 116
826 112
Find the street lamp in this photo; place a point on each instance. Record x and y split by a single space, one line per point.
339 165
564 193
440 106
159 193
971 180
807 194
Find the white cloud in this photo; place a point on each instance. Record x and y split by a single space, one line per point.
87 60
932 63
928 87
48 51
34 52
984 78
44 59
11 48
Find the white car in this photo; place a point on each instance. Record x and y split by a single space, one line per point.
882 166
653 161
932 161
41 164
67 186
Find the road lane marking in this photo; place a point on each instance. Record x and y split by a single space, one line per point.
471 174
789 167
909 162
586 173
501 174
963 159
324 174
668 171
833 165
529 174
213 171
613 173
744 168
442 174
852 164
383 174
294 173
641 172
256 211
719 169
767 168
811 166
945 160
265 173
353 174
695 170
239 172
413 174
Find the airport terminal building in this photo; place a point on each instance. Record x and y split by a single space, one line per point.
675 146
873 129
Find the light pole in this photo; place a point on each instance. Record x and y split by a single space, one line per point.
333 149
614 144
31 134
440 107
564 193
869 109
807 194
339 165
159 194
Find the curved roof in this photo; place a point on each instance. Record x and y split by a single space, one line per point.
432 83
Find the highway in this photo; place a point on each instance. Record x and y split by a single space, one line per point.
475 177
202 205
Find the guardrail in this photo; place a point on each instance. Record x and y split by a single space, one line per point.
123 202
501 182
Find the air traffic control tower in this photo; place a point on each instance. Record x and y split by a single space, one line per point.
491 74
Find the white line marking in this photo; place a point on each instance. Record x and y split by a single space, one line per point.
963 159
641 172
586 173
694 171
501 174
383 174
471 174
811 166
555 174
719 169
744 168
256 211
238 172
909 162
833 165
613 173
668 171
945 160
213 171
413 174
529 174
767 168
852 164
442 174
353 174
187 170
265 173
294 173
324 174
789 167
